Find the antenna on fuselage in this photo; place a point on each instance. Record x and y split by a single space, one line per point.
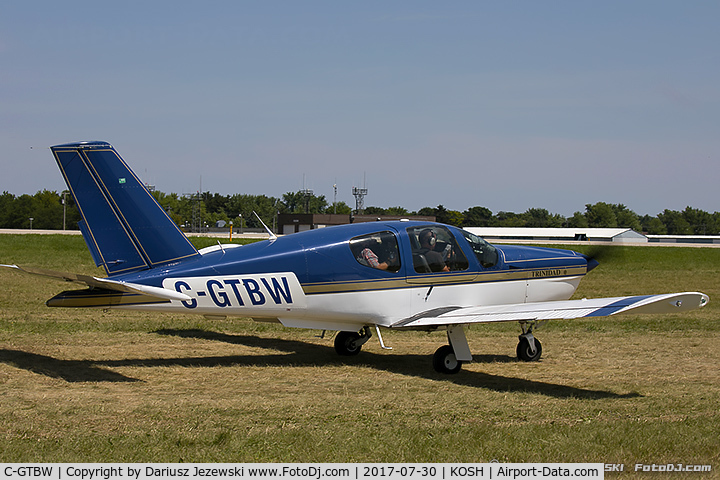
273 237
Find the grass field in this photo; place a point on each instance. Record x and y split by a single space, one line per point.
94 386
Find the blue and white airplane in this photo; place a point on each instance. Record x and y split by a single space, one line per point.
354 279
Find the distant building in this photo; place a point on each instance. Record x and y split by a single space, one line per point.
698 239
616 235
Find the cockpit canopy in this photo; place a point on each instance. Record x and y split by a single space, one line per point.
433 248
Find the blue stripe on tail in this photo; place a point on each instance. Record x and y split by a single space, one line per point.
124 227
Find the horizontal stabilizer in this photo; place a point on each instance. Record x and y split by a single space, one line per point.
106 283
100 298
568 309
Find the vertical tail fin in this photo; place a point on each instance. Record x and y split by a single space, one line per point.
124 227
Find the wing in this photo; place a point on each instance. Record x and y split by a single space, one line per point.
106 283
568 309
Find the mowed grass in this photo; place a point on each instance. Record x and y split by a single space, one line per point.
93 386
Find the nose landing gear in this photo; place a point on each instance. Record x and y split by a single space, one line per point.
529 348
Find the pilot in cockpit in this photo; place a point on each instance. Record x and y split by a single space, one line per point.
435 259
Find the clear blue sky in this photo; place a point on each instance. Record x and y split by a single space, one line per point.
508 105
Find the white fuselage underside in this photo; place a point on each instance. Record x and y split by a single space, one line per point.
350 310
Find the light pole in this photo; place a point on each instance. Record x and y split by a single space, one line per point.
31 219
64 202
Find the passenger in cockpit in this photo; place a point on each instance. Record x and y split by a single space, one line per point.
367 255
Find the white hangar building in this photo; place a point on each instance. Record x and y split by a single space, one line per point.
615 235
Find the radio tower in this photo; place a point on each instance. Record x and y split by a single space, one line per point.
359 194
307 195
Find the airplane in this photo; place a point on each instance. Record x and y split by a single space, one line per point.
353 279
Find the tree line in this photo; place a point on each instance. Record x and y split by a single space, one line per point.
51 210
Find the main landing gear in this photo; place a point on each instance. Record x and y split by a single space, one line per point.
445 361
449 358
349 344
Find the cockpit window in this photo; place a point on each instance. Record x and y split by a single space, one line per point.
377 250
434 249
486 254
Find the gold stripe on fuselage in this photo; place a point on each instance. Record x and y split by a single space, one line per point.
450 278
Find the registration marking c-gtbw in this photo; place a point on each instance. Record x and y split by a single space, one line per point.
277 290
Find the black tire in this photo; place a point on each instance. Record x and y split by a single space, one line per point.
444 360
524 352
347 344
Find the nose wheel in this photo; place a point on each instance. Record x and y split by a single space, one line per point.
529 350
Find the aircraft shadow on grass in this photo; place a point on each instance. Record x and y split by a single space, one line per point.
69 370
291 353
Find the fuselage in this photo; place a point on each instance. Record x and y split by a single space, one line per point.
319 279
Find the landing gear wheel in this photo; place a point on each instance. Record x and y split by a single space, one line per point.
444 360
525 353
348 344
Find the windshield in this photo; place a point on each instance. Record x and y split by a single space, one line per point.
486 254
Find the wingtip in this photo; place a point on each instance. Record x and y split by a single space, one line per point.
704 300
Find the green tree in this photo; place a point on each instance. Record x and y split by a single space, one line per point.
397 211
454 217
22 211
171 204
700 222
427 212
510 219
674 222
341 208
47 210
215 203
478 217
300 202
653 225
374 211
600 215
540 217
7 203
578 220
626 217
246 205
443 215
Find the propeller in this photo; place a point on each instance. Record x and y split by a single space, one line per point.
596 254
